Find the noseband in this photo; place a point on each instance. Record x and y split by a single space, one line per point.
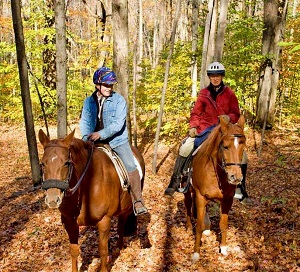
64 185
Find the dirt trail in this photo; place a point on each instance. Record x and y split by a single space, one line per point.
262 237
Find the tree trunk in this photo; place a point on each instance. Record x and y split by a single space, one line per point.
106 13
121 50
49 58
205 47
195 25
161 37
25 91
221 30
274 22
61 67
162 103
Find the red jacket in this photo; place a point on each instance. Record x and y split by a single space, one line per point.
206 111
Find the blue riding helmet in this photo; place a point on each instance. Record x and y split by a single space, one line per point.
104 75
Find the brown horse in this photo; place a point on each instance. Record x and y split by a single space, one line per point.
83 183
216 172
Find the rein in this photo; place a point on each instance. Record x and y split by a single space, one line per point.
64 184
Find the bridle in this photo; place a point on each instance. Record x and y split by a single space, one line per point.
224 163
64 185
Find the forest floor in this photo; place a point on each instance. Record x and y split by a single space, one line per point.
262 236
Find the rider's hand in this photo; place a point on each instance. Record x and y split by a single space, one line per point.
94 136
193 132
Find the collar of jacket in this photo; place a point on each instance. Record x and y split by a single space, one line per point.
94 95
213 92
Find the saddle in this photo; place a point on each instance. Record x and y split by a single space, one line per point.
119 165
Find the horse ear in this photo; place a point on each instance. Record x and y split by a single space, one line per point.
44 139
241 121
224 121
68 139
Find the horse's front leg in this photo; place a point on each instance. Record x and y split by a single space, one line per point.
103 229
200 225
225 208
72 229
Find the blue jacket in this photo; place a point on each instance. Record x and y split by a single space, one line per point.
114 119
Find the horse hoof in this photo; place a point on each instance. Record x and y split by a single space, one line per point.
224 250
206 232
195 257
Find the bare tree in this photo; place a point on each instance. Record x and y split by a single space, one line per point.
25 91
162 103
195 25
274 23
206 42
61 67
120 49
221 30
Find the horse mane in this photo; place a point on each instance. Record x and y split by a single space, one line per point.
211 143
78 146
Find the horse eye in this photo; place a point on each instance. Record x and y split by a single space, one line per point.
225 147
67 163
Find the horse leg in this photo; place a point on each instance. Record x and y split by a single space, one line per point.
225 207
188 205
72 229
207 223
121 228
103 229
200 225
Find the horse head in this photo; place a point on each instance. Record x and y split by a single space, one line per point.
232 146
56 167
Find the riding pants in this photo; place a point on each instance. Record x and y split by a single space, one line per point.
187 147
125 153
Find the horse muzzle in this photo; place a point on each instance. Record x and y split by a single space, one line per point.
53 198
234 180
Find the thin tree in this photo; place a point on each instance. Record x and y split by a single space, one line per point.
195 25
162 102
61 67
25 91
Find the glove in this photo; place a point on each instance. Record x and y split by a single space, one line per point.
193 132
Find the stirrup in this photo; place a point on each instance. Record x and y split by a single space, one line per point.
141 210
185 189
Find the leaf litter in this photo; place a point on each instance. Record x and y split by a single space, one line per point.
262 236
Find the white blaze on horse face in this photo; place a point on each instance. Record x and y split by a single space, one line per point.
236 142
53 158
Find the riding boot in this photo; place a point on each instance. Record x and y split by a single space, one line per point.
176 177
241 192
136 193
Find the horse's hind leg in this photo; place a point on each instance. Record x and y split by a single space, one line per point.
200 226
188 205
103 229
121 228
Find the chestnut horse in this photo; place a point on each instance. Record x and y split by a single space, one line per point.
82 182
216 172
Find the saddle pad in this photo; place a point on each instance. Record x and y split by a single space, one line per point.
120 167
